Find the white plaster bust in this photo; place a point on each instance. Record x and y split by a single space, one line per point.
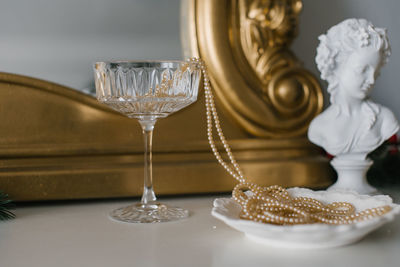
349 57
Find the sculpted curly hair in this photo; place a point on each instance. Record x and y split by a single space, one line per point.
343 39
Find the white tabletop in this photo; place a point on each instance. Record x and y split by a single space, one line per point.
81 234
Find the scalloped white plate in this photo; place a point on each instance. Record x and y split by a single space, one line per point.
308 235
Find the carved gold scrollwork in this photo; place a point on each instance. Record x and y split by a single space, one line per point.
258 80
263 26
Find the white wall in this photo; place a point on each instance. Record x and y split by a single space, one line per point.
58 40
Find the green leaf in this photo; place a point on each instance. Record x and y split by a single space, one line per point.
5 206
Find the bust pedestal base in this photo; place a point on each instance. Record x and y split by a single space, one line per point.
352 175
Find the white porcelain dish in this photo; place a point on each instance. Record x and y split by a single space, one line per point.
309 235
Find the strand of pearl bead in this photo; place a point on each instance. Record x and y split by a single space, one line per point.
273 204
261 207
212 115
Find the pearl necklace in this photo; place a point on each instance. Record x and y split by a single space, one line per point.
274 204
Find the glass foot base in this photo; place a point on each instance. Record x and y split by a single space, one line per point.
148 213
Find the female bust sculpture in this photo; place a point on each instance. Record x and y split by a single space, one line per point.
349 58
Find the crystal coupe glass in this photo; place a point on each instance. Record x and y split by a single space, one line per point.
147 91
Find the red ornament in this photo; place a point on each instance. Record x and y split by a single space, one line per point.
329 156
393 149
393 139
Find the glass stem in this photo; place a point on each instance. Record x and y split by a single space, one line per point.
148 192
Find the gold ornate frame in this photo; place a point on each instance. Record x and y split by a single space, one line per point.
56 143
258 80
